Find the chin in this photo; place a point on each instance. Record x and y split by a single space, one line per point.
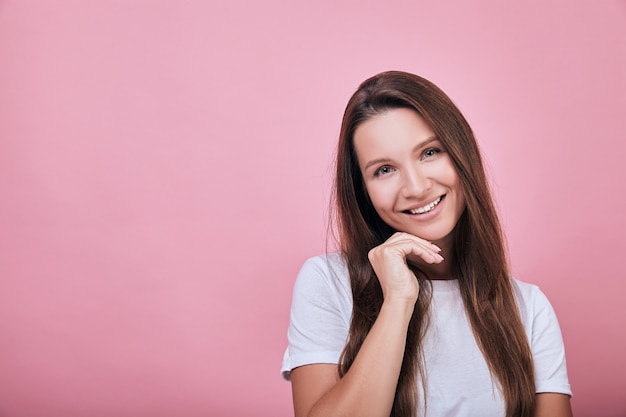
430 235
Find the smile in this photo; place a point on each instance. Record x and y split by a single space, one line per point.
426 208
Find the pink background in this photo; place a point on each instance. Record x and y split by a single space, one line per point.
165 168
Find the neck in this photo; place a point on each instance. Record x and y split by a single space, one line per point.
442 270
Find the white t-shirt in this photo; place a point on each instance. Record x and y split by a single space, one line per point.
459 383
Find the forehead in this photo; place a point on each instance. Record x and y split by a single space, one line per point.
392 130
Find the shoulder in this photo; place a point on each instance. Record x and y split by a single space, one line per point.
321 308
529 297
536 311
544 337
324 273
323 283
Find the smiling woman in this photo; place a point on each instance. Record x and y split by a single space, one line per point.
417 314
408 175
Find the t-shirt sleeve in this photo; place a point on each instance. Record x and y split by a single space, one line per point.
320 317
546 342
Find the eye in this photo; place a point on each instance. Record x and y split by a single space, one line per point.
384 170
430 152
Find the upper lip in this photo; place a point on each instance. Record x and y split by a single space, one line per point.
427 202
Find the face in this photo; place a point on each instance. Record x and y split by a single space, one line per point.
408 175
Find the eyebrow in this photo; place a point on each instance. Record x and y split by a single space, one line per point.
415 148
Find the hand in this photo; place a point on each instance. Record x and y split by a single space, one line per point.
389 261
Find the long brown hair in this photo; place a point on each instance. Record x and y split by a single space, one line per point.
479 261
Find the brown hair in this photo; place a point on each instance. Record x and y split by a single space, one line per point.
479 261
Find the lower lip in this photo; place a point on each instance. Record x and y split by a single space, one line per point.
424 217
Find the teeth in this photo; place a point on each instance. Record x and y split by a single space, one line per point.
426 208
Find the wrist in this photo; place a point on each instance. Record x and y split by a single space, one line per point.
399 305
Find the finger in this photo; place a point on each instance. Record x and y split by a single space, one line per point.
431 248
418 249
398 236
427 255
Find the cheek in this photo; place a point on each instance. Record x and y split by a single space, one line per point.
461 203
460 195
381 197
452 178
454 182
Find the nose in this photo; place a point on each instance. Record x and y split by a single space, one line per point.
414 182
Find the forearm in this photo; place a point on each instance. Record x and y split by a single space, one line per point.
369 387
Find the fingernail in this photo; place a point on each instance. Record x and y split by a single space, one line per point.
439 256
436 247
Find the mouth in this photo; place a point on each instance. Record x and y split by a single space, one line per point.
426 208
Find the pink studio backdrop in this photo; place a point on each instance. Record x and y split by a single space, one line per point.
165 166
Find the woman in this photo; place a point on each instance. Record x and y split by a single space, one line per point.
417 314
